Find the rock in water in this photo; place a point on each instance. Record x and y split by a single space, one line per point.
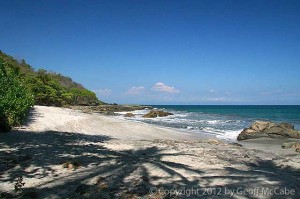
156 113
129 115
270 130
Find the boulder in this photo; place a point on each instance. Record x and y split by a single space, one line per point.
288 145
129 115
156 113
269 130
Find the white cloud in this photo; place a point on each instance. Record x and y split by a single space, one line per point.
103 92
161 87
135 90
212 91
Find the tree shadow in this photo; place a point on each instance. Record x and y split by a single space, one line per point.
41 156
110 173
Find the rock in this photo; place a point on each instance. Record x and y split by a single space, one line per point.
246 156
129 115
110 109
156 113
287 145
292 145
286 125
261 129
296 145
103 186
71 165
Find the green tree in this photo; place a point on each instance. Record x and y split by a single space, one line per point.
15 98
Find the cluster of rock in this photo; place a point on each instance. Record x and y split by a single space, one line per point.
110 109
156 113
151 114
261 129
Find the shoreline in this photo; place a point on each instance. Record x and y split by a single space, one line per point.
265 144
63 153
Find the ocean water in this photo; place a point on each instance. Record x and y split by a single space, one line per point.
226 122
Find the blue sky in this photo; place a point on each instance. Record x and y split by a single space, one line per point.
163 52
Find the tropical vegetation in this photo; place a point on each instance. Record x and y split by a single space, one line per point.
21 87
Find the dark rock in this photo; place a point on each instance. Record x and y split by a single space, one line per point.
246 156
110 109
261 129
129 115
156 113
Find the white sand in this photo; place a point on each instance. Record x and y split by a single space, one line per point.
123 159
67 120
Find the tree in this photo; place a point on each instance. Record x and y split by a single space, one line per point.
15 98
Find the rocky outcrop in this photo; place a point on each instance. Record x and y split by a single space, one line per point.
291 145
129 115
270 130
156 113
110 109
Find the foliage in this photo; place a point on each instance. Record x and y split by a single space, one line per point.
15 97
21 86
49 88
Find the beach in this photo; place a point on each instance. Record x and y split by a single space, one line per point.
65 153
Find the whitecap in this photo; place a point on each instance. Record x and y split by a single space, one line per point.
230 135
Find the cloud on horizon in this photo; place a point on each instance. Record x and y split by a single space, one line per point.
161 87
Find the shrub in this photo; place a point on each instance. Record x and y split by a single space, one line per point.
15 97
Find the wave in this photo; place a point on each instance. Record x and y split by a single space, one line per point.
222 127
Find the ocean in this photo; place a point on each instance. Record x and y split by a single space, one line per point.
223 121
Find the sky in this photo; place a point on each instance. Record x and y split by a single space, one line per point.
163 52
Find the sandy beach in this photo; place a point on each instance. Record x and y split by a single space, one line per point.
64 153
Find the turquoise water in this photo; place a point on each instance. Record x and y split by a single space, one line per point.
224 121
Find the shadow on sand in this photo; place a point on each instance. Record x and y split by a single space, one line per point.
106 173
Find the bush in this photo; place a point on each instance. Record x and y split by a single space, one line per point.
49 88
15 98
